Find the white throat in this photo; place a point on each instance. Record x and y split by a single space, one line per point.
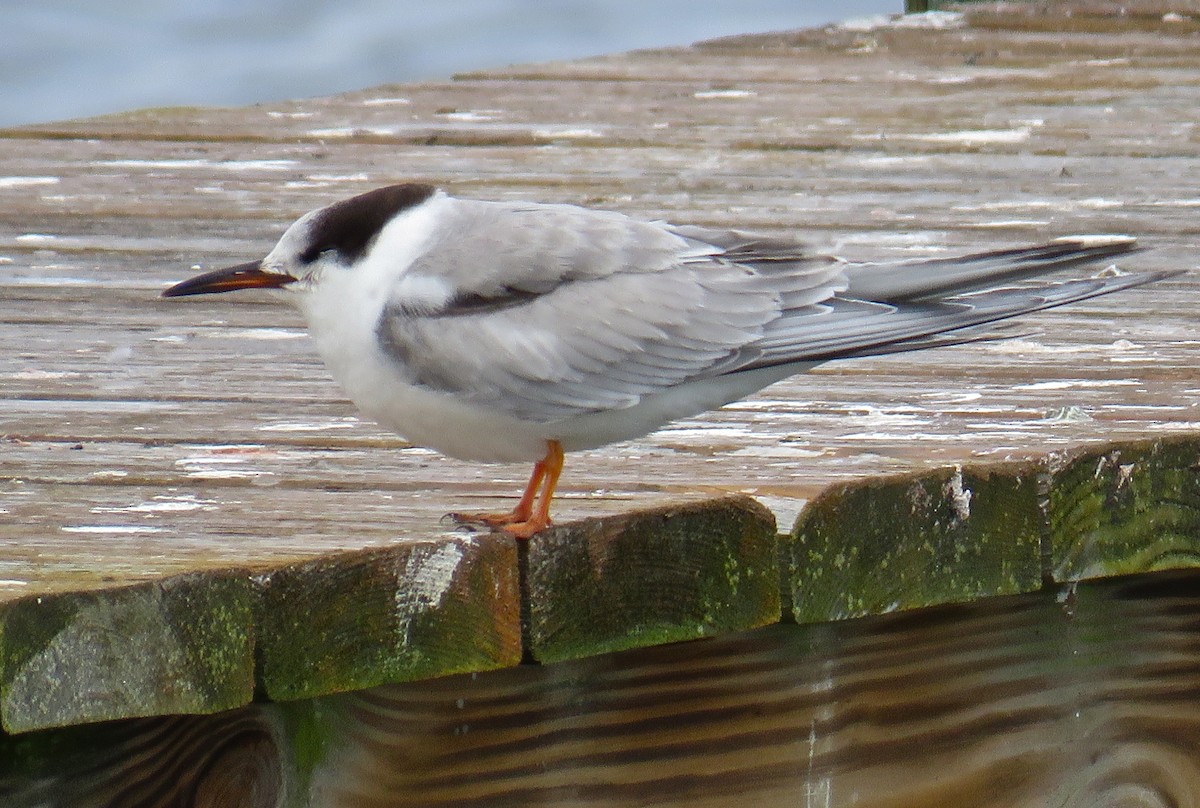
344 304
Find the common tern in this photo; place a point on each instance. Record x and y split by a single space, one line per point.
516 331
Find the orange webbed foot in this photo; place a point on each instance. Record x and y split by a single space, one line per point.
526 520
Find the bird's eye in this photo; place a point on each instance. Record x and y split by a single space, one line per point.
313 253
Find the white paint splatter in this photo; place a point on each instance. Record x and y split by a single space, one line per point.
1188 202
428 573
33 374
1070 384
930 19
1099 239
109 474
267 334
27 182
959 497
1172 426
1001 223
359 177
568 132
386 102
221 474
473 115
886 160
341 423
969 137
1068 415
224 165
724 94
945 397
788 451
115 529
353 131
161 504
219 464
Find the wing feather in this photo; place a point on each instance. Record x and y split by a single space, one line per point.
555 311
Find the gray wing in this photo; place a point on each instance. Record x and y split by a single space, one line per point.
910 305
555 311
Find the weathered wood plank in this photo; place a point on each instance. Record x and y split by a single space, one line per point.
652 577
211 438
918 540
415 611
183 645
1021 702
1125 509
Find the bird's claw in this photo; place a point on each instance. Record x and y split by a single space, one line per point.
518 525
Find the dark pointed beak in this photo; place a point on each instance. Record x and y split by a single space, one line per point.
242 276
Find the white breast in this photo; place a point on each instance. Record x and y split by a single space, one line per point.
343 310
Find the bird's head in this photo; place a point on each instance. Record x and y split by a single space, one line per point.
329 239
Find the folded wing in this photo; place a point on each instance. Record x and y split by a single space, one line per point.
552 312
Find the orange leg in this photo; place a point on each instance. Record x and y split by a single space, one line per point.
551 468
525 520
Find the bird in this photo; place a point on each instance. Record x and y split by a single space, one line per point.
513 331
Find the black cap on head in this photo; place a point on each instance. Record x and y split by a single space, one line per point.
348 227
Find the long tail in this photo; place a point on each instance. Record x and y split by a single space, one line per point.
942 277
854 327
942 325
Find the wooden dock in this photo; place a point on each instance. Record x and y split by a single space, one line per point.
191 514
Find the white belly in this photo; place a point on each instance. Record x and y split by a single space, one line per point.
378 387
460 429
343 328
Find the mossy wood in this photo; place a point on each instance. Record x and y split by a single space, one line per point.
916 540
1011 702
181 645
190 511
674 574
1127 508
355 620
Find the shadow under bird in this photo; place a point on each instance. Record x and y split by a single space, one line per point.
515 331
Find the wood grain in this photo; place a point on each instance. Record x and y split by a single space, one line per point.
1125 509
658 576
916 540
1029 700
143 438
1085 696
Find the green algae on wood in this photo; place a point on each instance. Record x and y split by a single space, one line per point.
1126 508
180 645
411 611
1022 702
915 540
650 577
